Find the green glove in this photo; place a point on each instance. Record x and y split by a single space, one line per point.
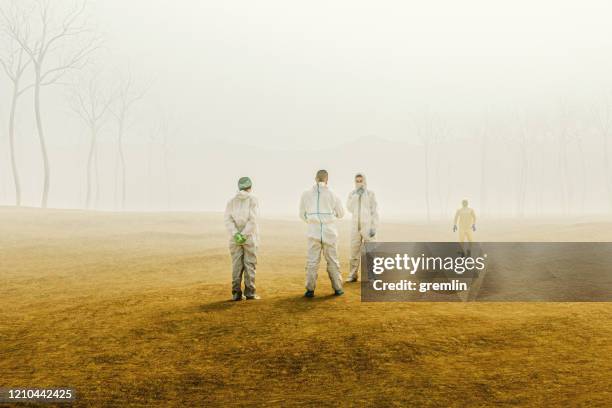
239 238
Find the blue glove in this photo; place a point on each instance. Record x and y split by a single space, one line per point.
372 233
454 228
474 227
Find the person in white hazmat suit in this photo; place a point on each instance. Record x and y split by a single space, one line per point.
362 204
241 215
465 219
320 208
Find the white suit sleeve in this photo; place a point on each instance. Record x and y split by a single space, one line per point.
374 210
230 225
338 209
251 224
473 217
350 202
302 213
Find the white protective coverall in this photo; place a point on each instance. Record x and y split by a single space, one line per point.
241 215
320 208
465 218
362 204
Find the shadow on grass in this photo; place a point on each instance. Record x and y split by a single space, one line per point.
301 303
217 306
291 303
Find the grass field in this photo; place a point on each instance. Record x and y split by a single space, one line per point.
132 309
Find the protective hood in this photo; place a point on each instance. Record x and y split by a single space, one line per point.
243 195
365 180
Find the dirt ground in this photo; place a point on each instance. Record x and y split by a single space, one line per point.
132 309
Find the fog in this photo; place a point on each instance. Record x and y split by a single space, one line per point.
506 104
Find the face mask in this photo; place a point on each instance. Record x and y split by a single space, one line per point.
322 183
359 184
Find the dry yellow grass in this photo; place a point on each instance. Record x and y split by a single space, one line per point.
132 309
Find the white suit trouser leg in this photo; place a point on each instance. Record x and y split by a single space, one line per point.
330 252
357 242
244 262
465 233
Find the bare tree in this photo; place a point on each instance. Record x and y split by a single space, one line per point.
128 95
427 144
484 153
444 185
44 37
150 146
428 131
578 136
166 130
14 64
424 132
91 105
603 124
165 136
563 140
522 162
443 180
539 144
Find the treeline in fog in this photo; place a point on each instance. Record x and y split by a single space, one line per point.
85 127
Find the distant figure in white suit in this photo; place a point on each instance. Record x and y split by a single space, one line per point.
465 219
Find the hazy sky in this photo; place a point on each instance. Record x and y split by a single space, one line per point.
276 73
312 77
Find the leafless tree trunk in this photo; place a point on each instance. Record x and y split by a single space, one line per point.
90 156
14 70
97 179
443 185
149 168
426 131
522 168
116 183
43 44
484 140
603 121
122 160
166 130
539 171
167 175
12 146
426 145
14 66
583 171
128 95
91 105
443 176
439 183
41 136
523 163
562 140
